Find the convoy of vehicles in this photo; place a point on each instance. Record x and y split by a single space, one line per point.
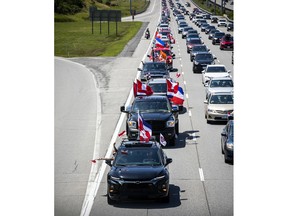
140 168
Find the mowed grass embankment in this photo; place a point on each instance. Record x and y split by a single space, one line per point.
75 39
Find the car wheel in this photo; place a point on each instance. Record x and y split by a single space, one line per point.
177 128
221 48
191 59
213 42
222 149
172 141
225 159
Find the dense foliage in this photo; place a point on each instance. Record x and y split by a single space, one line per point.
68 6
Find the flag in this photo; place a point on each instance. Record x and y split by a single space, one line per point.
162 140
159 43
122 133
172 88
178 98
145 129
163 54
93 161
178 75
143 89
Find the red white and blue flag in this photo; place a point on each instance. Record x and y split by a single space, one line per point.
172 88
145 129
140 88
178 98
159 42
162 140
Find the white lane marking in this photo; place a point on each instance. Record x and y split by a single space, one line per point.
190 114
182 73
201 174
184 82
187 96
194 137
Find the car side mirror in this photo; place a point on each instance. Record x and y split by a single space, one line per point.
148 56
229 71
214 57
205 102
108 162
168 161
224 134
139 69
173 56
122 108
206 84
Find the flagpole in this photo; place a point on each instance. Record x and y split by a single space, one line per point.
138 138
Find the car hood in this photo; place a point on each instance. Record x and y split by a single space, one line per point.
208 61
224 74
137 172
221 107
153 116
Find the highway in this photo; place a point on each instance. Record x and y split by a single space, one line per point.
201 183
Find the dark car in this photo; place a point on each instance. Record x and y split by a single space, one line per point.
227 42
227 141
185 31
196 49
201 60
139 170
230 27
157 111
153 70
212 32
192 42
217 37
214 20
209 28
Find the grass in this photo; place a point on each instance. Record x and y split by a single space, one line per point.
73 33
75 39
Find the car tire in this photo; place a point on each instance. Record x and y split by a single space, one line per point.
222 149
172 141
177 128
221 48
225 159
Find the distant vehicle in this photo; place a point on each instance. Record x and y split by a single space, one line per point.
139 170
187 4
191 42
196 49
214 20
222 22
227 142
212 33
230 27
201 60
212 71
219 84
153 70
227 42
217 37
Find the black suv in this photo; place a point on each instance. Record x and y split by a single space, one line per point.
139 170
154 70
157 111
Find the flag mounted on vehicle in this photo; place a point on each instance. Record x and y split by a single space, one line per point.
159 43
140 88
162 140
178 98
172 88
145 129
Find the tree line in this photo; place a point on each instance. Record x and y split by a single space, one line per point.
68 6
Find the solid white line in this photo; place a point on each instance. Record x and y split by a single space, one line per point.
184 82
190 114
187 96
201 174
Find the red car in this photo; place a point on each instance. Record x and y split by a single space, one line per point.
162 55
227 42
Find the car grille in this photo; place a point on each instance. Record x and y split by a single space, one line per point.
138 187
224 111
157 125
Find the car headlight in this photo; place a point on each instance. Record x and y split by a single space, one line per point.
131 124
196 63
114 178
171 122
211 110
159 177
229 146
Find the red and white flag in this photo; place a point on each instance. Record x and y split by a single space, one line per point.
178 74
145 129
140 88
172 88
162 140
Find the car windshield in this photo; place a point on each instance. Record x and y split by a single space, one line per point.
158 87
221 83
221 99
204 56
193 41
151 106
138 157
219 34
154 67
199 49
215 69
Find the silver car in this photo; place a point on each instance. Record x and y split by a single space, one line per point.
216 70
218 106
219 84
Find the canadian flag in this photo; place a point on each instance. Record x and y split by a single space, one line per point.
172 88
140 88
